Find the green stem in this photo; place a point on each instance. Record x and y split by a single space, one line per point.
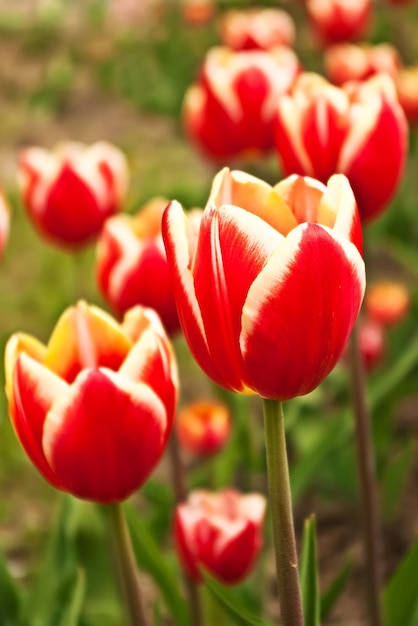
180 492
126 565
368 481
282 516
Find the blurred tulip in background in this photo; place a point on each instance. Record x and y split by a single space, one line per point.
322 130
69 192
4 222
229 113
203 428
264 252
131 265
219 532
256 28
93 408
348 61
339 20
387 301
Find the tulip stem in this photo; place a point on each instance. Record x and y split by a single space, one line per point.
180 492
282 515
126 565
367 481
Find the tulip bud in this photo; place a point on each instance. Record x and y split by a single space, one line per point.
322 130
339 20
256 29
69 192
203 428
229 112
262 253
371 339
219 532
93 408
387 302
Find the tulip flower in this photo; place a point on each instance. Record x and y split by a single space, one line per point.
219 532
372 344
338 20
348 61
270 296
94 407
256 29
4 222
322 130
203 428
229 112
407 88
197 12
387 302
131 264
70 191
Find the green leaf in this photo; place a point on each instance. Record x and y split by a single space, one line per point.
151 559
72 613
395 476
335 589
308 574
400 600
232 603
10 601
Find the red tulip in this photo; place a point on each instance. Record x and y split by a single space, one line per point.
347 61
339 20
387 302
94 407
219 532
4 222
69 192
322 130
132 265
270 297
203 428
256 29
230 111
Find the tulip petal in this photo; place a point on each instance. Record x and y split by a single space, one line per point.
35 390
151 362
176 244
85 336
232 249
300 311
104 437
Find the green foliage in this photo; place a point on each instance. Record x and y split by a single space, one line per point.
400 599
311 597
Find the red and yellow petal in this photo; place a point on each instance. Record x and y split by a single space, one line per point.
300 311
104 437
84 337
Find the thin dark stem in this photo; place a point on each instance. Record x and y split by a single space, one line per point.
180 491
282 516
127 566
367 481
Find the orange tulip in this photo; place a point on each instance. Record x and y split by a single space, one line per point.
387 302
203 428
348 61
